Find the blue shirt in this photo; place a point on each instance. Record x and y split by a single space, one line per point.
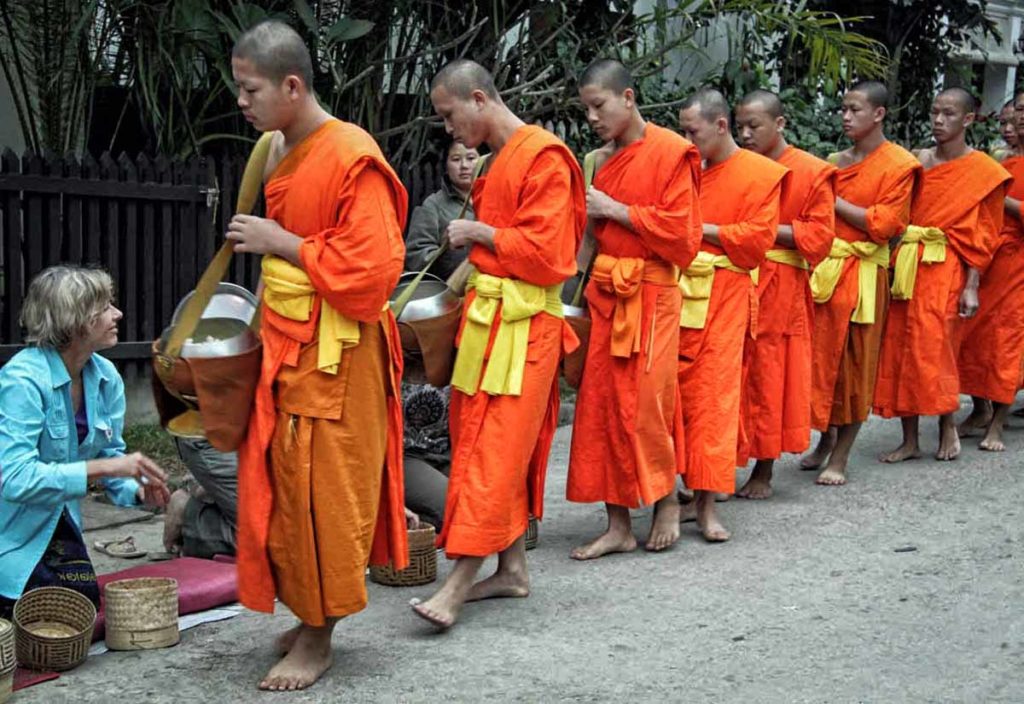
42 464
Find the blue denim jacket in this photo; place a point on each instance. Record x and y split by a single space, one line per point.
42 466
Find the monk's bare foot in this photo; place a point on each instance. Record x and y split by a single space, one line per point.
949 441
707 519
902 453
440 612
688 512
756 488
286 641
665 526
831 476
978 420
609 542
503 584
759 485
309 658
820 454
993 441
174 518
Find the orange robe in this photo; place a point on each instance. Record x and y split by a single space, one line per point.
777 365
917 372
741 195
533 194
990 362
845 353
626 427
320 471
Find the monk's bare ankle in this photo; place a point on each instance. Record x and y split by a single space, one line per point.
820 454
759 485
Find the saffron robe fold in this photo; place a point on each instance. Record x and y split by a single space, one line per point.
990 361
320 472
777 364
741 195
627 433
917 371
532 192
845 361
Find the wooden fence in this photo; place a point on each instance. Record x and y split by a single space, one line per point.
153 224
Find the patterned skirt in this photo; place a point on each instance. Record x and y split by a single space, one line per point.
65 563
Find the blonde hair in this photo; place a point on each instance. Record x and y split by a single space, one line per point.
61 303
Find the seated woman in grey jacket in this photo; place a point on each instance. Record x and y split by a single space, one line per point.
430 219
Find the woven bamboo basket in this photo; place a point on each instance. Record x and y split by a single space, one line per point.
422 567
8 661
142 614
53 628
532 533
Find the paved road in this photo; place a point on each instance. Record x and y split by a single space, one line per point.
815 600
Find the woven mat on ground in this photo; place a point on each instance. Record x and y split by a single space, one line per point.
26 678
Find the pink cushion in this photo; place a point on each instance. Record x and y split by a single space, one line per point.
202 584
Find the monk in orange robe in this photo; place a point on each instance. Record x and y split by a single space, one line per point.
993 340
875 183
531 213
777 364
646 217
955 222
320 471
739 200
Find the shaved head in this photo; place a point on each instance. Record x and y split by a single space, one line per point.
462 76
607 73
766 98
711 104
963 98
276 51
876 93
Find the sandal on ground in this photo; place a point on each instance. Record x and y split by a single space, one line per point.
120 547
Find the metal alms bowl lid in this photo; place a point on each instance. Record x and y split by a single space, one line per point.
223 330
228 301
432 298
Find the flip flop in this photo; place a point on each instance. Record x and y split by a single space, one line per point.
120 547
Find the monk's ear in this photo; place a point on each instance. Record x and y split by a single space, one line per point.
293 85
880 113
722 124
479 98
629 96
969 119
780 123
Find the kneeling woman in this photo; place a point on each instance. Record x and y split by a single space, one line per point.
61 414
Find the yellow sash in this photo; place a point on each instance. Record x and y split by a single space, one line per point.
289 293
905 272
520 301
826 275
789 257
696 282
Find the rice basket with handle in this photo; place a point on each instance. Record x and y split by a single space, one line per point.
142 614
53 628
